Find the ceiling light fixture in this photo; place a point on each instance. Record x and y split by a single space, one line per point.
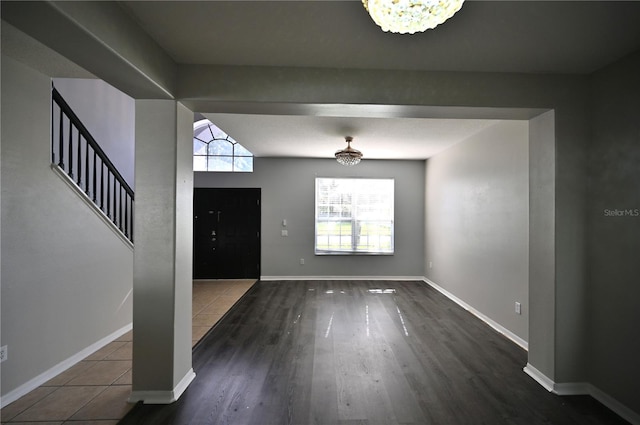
348 156
410 16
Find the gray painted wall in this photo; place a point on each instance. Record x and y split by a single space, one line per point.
66 277
614 239
570 203
477 222
542 249
108 114
288 192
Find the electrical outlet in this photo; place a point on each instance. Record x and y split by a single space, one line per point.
302 261
518 308
4 353
430 264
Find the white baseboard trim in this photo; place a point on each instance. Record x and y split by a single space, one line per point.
571 388
47 375
623 411
539 377
270 278
163 397
583 388
495 325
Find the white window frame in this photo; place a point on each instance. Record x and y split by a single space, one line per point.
347 221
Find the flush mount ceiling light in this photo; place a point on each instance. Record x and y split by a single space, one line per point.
410 16
348 156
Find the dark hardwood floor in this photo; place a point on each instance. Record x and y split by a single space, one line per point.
361 352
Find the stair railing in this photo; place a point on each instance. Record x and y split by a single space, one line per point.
77 153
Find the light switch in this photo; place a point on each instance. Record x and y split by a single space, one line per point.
285 232
284 222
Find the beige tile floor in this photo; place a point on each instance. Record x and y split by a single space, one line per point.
95 390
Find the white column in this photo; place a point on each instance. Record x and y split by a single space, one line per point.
162 275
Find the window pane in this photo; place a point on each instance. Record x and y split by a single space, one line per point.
322 242
219 163
199 148
241 150
322 211
386 242
334 243
243 164
203 133
220 147
199 163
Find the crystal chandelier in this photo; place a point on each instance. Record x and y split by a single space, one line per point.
410 16
348 156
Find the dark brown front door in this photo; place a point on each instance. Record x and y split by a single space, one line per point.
226 239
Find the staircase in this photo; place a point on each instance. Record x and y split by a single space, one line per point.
77 154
